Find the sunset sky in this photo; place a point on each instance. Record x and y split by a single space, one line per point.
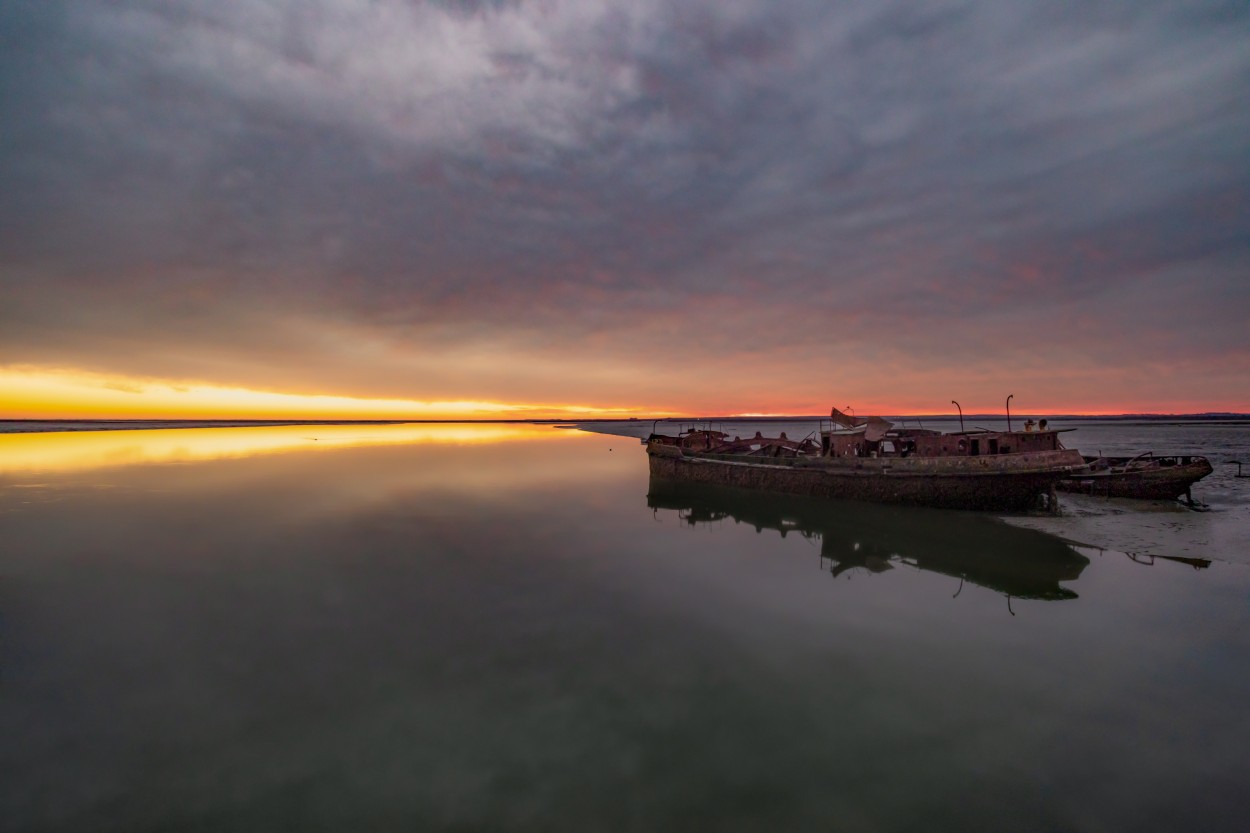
332 208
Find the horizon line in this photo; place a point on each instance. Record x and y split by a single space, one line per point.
632 418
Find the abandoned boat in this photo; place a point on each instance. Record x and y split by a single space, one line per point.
1144 476
857 458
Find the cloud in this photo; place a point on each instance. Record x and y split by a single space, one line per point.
469 199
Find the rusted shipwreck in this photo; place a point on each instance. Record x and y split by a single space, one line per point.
1147 476
868 459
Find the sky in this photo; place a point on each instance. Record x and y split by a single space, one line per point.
545 208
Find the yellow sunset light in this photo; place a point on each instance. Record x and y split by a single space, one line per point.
63 394
88 450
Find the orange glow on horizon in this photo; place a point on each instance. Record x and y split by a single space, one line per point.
60 394
67 395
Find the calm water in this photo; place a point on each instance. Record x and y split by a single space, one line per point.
511 628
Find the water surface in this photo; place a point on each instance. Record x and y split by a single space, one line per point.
513 628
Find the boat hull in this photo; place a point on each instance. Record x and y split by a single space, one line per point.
1154 482
1007 482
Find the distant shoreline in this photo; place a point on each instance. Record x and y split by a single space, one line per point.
40 426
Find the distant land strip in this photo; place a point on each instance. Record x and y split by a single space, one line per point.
20 426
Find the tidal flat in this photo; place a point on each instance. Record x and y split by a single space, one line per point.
511 627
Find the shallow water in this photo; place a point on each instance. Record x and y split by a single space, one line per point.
512 628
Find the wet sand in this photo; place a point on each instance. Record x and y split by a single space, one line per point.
1148 528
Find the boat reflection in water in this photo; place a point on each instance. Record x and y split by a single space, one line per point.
1019 563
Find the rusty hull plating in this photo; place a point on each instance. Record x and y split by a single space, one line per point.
867 459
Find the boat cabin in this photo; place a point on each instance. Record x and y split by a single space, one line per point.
859 442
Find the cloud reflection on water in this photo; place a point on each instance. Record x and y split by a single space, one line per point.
445 633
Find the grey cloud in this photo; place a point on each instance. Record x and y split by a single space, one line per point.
552 174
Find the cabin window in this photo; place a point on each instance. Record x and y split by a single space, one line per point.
993 446
976 447
887 447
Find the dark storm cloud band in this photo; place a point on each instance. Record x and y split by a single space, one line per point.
512 182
